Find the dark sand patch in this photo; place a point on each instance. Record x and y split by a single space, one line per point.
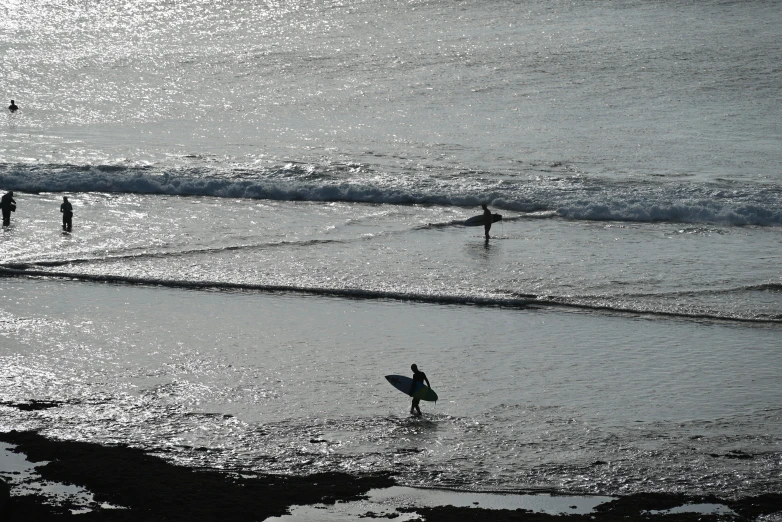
151 489
33 405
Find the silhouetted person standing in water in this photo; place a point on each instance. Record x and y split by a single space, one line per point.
8 205
67 214
13 107
417 377
487 219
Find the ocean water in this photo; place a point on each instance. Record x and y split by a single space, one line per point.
268 202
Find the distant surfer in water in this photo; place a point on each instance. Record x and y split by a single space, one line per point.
418 376
67 214
8 205
487 218
13 107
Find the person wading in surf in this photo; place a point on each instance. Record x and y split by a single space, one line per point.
67 214
418 377
8 204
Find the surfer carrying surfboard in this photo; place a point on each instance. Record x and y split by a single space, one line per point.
487 219
418 377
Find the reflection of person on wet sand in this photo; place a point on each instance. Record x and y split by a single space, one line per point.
487 218
418 376
67 214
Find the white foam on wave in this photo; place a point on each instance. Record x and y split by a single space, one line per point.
692 211
577 198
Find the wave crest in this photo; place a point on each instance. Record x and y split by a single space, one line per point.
574 198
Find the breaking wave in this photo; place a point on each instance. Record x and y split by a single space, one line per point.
567 197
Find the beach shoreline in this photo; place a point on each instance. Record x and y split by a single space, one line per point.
271 215
130 484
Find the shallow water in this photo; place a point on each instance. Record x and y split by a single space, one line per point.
20 474
268 205
385 501
392 250
529 398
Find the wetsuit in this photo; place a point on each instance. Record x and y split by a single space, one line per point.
487 219
8 205
67 215
418 376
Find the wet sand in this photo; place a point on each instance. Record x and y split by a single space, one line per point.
129 484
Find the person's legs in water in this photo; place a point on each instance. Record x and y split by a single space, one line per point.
414 409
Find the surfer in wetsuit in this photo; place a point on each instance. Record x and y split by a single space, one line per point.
487 219
8 205
13 107
418 377
67 214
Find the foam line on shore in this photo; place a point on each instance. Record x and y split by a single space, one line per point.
24 265
357 293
